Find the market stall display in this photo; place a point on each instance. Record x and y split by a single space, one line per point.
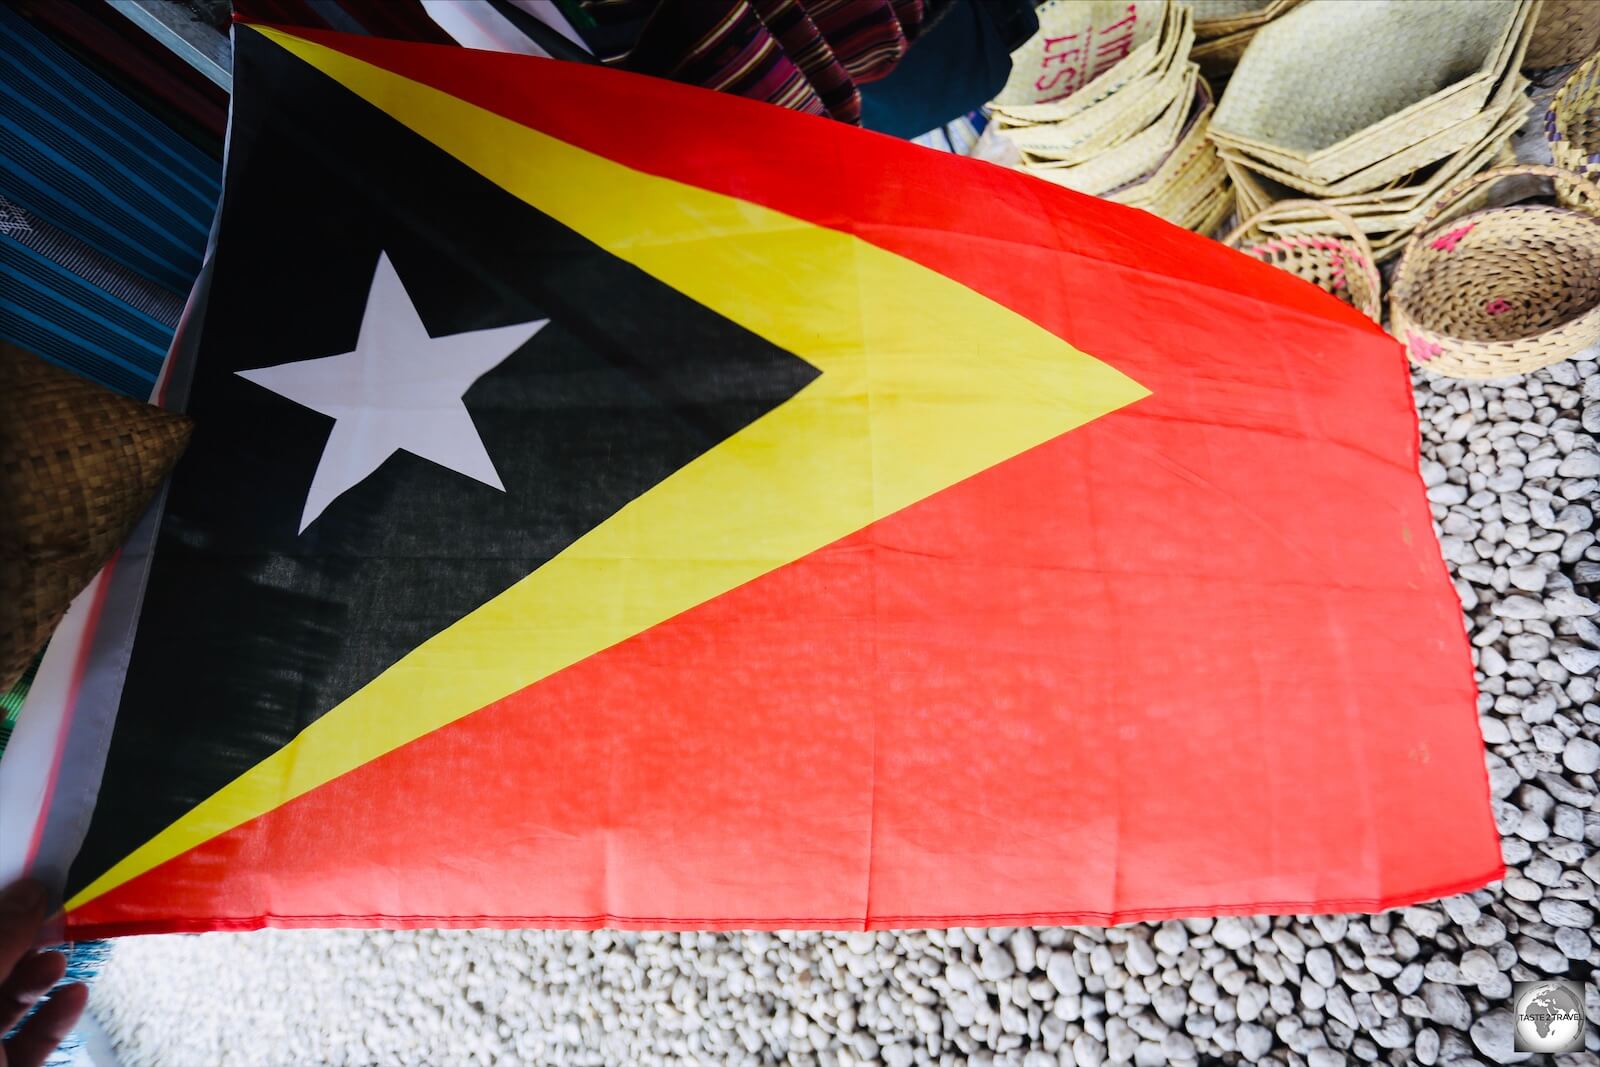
1489 295
1387 215
1189 186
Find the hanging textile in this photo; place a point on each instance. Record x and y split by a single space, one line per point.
722 45
958 66
805 55
80 309
79 154
104 212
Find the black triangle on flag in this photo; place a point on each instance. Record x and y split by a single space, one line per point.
248 621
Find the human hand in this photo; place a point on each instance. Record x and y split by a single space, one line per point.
26 975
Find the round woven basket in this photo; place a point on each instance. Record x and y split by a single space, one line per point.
1500 291
1572 126
1344 267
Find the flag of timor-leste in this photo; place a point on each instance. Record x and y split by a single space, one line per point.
616 504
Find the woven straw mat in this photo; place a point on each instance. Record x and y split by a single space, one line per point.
1412 190
1108 123
1191 142
1330 71
1137 155
1465 137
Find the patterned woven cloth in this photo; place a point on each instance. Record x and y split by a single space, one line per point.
798 36
724 46
807 55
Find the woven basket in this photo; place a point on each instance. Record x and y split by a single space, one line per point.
1252 197
1201 176
1202 214
1331 88
1500 291
1191 139
1389 244
1342 266
78 464
1195 198
1413 191
1572 126
1374 219
1567 31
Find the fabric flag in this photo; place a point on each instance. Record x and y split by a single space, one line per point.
617 504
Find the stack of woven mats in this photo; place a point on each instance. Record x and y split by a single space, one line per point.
1373 107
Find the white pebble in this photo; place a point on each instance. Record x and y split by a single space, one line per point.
1254 1041
1581 756
996 963
1231 933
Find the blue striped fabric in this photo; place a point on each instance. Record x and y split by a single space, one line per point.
49 310
81 155
67 251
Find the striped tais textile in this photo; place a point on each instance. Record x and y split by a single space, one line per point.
722 45
94 267
78 153
867 37
46 307
809 50
911 14
806 55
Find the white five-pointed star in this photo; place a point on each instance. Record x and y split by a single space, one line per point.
399 389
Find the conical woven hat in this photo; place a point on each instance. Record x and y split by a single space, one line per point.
78 465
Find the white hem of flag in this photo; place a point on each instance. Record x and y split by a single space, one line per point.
32 757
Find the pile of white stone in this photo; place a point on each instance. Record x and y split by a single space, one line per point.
1512 469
